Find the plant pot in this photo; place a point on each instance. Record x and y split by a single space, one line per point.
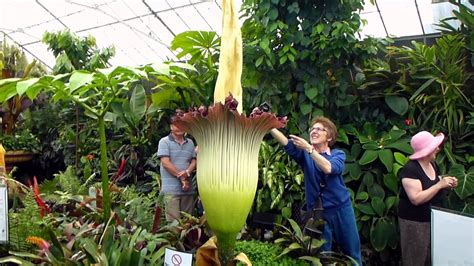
14 158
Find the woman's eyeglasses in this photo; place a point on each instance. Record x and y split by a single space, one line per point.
318 129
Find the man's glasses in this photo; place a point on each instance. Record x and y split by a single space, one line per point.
318 129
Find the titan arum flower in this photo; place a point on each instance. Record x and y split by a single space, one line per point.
229 142
227 164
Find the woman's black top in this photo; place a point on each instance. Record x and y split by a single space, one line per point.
420 213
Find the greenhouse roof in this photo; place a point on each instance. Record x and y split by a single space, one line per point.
142 31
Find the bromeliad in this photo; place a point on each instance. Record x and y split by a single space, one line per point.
42 205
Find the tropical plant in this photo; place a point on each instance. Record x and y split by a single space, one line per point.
281 182
132 115
294 241
137 207
14 64
465 189
443 97
264 253
76 53
303 56
24 221
372 166
298 244
193 88
430 86
94 92
21 141
89 244
464 15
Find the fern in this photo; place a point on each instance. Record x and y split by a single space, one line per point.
25 222
66 182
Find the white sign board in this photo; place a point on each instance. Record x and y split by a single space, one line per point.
452 238
176 258
3 214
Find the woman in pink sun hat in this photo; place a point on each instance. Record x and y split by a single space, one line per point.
422 187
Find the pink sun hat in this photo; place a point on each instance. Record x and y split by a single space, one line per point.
424 143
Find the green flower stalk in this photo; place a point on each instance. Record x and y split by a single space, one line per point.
227 165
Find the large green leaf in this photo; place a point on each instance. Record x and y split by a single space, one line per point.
365 208
306 108
392 234
391 182
378 205
200 45
400 145
79 79
138 103
296 228
390 201
378 234
22 86
398 104
354 170
363 196
7 89
165 98
386 156
368 157
355 150
311 92
371 146
368 179
465 180
400 158
376 191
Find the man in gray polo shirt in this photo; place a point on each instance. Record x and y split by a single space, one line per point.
178 161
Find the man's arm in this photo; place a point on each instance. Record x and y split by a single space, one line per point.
186 174
169 166
282 139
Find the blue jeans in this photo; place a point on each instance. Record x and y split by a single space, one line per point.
341 225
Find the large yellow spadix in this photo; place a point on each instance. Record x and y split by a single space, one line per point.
230 59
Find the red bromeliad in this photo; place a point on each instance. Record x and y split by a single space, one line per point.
43 207
119 171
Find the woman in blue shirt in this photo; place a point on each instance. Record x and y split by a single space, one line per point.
318 162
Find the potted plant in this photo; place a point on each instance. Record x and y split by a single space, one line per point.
20 147
19 144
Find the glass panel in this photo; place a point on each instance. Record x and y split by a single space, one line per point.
126 9
40 52
39 30
207 9
141 38
431 14
400 17
20 14
174 22
374 26
20 37
166 5
193 19
157 30
88 18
